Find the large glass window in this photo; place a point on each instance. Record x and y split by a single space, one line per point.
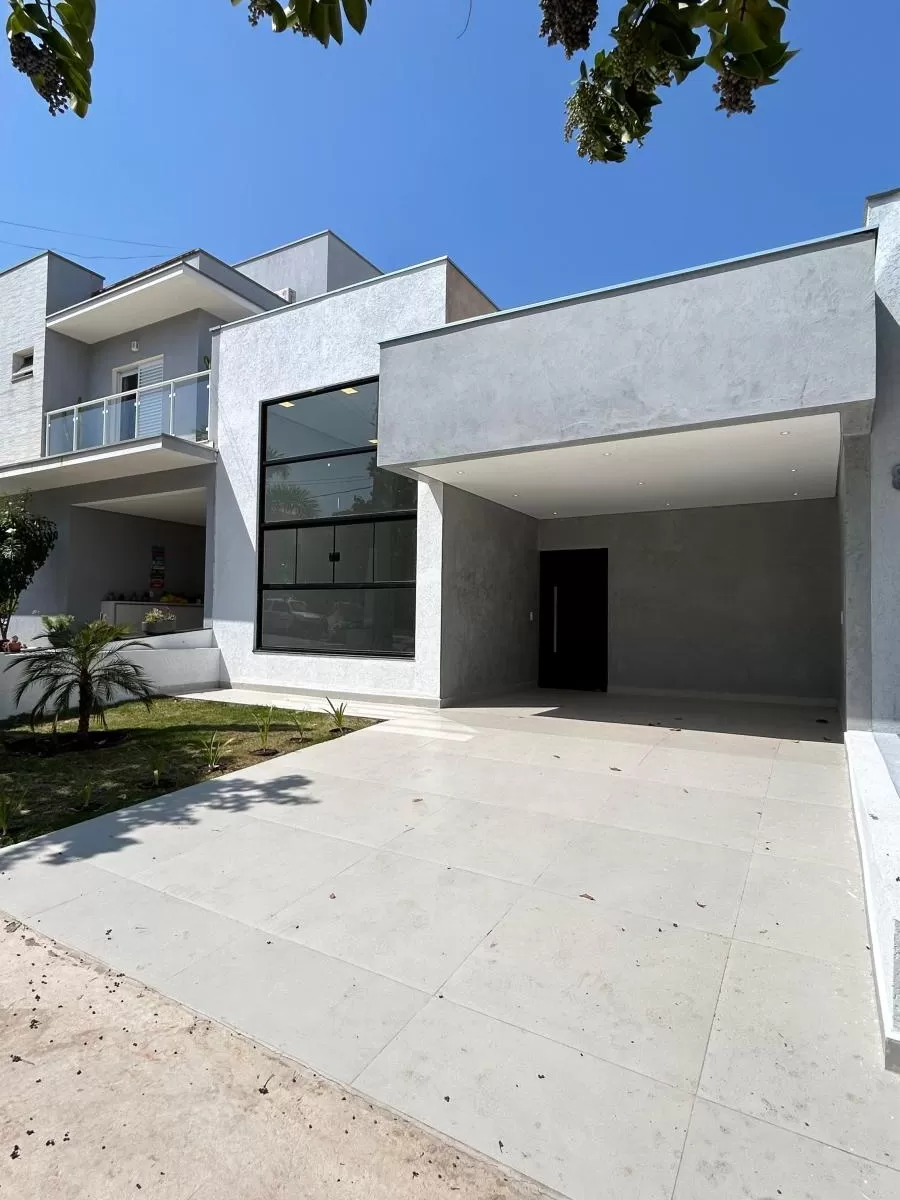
337 534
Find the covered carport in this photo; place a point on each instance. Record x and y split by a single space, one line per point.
650 481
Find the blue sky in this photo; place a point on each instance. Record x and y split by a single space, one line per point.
413 142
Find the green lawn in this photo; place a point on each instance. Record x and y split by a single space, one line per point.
161 752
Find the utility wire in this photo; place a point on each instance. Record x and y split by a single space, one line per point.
77 253
97 237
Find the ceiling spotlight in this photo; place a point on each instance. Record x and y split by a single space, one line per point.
460 472
373 441
515 495
607 453
793 470
785 433
349 391
668 504
796 493
286 404
555 513
640 483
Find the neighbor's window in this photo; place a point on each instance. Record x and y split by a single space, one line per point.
23 363
337 535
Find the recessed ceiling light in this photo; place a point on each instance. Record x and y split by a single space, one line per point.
286 404
785 433
607 453
668 504
796 493
349 391
640 483
515 495
555 513
373 441
793 470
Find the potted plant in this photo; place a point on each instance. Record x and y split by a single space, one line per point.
157 621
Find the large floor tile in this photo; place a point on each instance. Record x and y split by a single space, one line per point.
29 887
696 813
254 871
575 794
809 908
332 1016
718 742
668 879
407 919
483 837
132 839
137 930
549 750
795 1042
732 1157
589 1129
356 809
812 832
746 774
622 988
829 754
810 782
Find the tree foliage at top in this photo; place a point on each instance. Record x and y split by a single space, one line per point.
653 44
26 540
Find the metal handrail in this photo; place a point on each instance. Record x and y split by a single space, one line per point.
117 397
148 387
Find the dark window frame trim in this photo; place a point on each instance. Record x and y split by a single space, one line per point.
262 526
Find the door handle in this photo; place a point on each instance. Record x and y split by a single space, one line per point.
555 615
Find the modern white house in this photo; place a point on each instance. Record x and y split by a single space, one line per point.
379 485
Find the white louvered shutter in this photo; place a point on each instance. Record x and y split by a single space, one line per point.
153 414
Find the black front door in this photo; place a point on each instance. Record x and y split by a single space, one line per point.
573 619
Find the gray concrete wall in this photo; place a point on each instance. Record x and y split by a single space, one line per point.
68 283
787 332
728 601
464 299
251 289
489 597
854 506
302 266
346 265
111 551
885 455
23 303
65 371
183 340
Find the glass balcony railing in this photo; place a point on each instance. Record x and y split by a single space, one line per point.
179 407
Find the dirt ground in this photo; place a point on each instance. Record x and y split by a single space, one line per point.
108 1090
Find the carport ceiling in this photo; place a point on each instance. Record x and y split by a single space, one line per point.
187 507
756 463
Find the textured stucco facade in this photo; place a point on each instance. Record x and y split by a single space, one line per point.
788 332
320 343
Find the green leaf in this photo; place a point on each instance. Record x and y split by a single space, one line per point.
356 12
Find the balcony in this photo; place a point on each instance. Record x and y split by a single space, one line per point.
178 407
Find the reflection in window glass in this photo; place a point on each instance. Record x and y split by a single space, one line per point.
395 551
340 620
353 553
280 556
334 487
314 546
338 420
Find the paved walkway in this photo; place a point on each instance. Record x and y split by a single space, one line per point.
617 947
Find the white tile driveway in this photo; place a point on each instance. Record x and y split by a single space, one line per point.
617 946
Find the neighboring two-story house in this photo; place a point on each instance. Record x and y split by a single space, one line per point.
377 484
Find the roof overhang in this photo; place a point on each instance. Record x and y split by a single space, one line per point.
756 462
163 453
144 301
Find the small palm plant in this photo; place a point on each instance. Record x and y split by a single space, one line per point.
301 723
87 672
264 727
338 715
213 748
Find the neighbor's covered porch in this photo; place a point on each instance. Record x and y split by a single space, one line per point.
131 527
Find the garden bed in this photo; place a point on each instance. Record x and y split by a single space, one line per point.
50 781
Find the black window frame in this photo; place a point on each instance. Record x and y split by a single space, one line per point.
263 526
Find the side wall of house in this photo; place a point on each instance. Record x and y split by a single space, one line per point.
23 311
